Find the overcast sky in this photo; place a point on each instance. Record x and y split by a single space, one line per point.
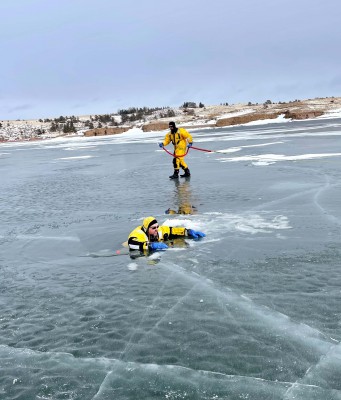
77 57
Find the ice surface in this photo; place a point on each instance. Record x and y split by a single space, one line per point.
249 312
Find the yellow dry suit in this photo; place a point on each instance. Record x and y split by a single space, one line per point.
139 239
179 139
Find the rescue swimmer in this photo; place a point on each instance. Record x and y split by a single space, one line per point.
150 236
181 140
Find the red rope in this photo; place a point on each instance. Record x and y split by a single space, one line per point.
177 155
185 154
198 148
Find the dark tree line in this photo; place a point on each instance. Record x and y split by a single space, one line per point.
66 124
192 104
104 118
140 111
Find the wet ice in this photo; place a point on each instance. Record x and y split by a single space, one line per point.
250 311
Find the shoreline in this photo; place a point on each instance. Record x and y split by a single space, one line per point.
190 118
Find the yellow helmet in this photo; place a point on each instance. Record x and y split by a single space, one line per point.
147 222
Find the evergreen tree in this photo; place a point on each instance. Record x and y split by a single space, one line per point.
69 127
66 128
53 127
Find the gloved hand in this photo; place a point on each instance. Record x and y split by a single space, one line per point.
158 246
161 145
195 234
189 145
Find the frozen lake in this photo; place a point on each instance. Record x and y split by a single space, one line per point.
252 311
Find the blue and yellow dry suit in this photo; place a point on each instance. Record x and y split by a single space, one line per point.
179 137
139 240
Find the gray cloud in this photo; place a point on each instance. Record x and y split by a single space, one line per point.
66 55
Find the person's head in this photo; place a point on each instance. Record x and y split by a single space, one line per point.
150 227
172 126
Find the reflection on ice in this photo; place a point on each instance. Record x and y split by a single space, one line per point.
76 157
236 149
266 159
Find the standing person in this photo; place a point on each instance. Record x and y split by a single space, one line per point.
151 236
181 139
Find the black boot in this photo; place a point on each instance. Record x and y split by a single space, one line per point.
175 175
186 174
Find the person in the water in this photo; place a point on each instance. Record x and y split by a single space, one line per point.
150 236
